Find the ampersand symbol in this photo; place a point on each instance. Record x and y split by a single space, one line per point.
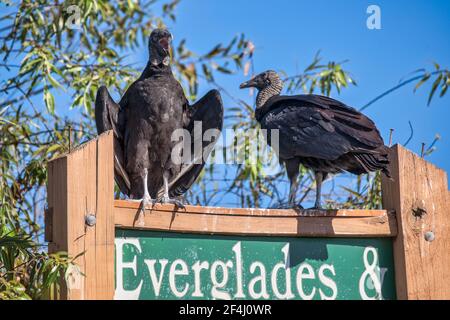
370 271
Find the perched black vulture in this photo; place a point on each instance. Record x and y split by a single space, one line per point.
151 109
318 132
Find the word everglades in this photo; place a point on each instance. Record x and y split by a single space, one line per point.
154 265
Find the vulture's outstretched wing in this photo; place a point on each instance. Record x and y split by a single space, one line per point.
107 118
318 127
209 111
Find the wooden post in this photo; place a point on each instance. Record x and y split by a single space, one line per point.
81 184
419 195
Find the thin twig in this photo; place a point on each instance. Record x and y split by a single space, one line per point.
398 87
410 135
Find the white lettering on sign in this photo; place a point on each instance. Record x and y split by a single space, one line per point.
156 281
327 281
301 275
121 293
197 268
239 269
261 279
174 271
284 266
215 292
226 280
370 272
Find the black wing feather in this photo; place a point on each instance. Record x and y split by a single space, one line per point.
319 127
305 132
208 110
107 118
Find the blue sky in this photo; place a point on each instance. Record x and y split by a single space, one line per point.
287 34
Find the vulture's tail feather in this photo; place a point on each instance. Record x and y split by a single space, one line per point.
374 161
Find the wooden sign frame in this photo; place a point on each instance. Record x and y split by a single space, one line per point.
82 216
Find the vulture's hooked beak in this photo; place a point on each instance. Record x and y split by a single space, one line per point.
165 42
248 84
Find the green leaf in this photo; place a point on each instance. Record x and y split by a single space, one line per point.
53 148
223 69
49 101
325 73
341 77
53 81
444 90
434 87
215 51
436 65
422 81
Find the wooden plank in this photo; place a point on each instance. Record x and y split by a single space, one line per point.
82 183
419 195
193 221
77 206
57 203
255 212
104 232
48 221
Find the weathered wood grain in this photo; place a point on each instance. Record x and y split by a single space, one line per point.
254 211
193 219
419 195
81 183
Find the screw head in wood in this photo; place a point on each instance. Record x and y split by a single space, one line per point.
90 220
429 236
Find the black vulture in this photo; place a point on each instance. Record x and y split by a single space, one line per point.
150 111
319 132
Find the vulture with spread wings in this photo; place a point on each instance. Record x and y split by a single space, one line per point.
148 161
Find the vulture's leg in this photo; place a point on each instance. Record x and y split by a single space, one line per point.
293 190
292 168
147 199
166 198
320 176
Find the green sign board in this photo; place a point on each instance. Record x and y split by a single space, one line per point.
163 265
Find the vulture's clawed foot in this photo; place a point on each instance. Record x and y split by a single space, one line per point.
287 206
297 207
176 202
146 201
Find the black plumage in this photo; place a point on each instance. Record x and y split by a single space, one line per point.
143 122
318 132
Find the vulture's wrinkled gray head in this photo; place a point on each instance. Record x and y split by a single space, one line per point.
268 84
159 46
